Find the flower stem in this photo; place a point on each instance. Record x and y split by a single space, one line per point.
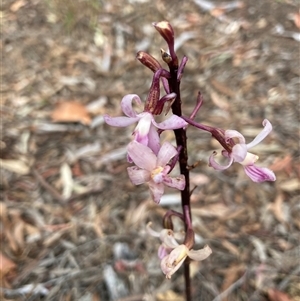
181 140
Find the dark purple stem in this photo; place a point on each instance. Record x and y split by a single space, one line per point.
181 140
188 221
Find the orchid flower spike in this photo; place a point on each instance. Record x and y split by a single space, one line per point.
153 169
241 155
146 129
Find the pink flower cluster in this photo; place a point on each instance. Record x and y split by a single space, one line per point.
151 159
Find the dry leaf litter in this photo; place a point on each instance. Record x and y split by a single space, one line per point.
72 225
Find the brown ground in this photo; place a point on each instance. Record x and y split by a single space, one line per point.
67 203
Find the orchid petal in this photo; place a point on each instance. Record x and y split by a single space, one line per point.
216 165
259 174
172 123
129 160
126 104
142 139
201 254
229 134
225 153
168 97
151 231
138 176
250 159
239 152
153 140
168 239
165 84
156 191
178 182
119 121
170 270
262 135
165 154
177 254
157 174
142 129
162 252
172 262
141 155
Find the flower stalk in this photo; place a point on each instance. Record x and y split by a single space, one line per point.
167 33
154 161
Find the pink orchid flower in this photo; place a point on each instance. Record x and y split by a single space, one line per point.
173 254
153 169
172 262
241 155
168 240
146 129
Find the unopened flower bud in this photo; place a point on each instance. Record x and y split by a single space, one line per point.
166 31
165 56
148 60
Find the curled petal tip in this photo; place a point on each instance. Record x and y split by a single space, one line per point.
262 135
212 162
201 254
267 123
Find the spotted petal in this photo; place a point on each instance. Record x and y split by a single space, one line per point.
178 182
172 262
156 191
138 176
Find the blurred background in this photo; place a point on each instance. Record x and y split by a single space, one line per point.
72 226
